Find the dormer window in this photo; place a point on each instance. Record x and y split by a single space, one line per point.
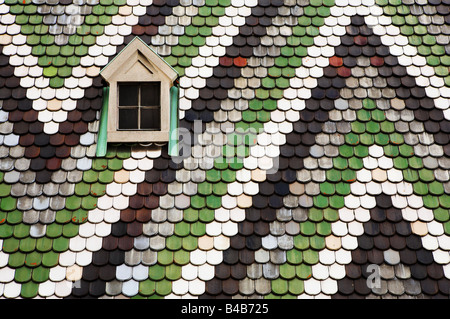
139 95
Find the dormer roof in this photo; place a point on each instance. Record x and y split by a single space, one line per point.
137 58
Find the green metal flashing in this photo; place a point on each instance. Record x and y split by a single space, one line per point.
102 140
173 137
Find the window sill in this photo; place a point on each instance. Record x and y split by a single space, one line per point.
138 136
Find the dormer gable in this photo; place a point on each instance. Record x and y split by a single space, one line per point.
137 62
139 98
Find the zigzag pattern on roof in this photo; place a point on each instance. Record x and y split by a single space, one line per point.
319 154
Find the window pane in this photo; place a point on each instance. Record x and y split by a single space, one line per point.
128 119
128 94
150 93
150 119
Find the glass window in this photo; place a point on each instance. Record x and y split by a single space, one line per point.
140 106
150 119
150 94
128 94
128 118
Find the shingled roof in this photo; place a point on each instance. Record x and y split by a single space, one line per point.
320 168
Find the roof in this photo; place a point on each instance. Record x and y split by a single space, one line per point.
320 167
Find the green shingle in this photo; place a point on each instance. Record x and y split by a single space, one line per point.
27 244
296 286
336 201
331 215
82 189
447 228
73 202
213 175
213 202
436 188
410 175
317 242
301 242
14 217
50 259
173 272
106 177
182 229
391 151
382 139
33 259
342 188
190 215
156 272
303 271
307 228
189 243
368 139
8 203
294 256
198 202
315 215
324 228
60 244
198 229
346 151
22 274
279 286
89 203
165 257
16 259
320 201
63 216
181 257
98 189
44 244
444 201
163 287
173 243
219 189
206 215
10 245
54 230
333 175
310 257
147 287
21 230
441 215
430 201
352 139
70 230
